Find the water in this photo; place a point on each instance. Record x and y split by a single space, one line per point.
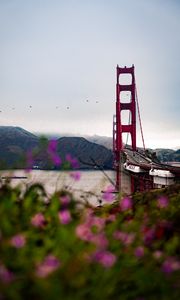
89 187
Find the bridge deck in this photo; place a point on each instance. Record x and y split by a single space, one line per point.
138 159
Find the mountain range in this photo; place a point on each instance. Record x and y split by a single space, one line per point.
16 143
91 152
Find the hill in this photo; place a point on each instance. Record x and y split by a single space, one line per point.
168 155
16 142
86 152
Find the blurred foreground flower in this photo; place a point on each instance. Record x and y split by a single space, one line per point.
65 200
108 194
157 254
52 151
126 203
162 202
148 235
56 159
49 265
84 232
73 161
100 240
52 146
5 275
18 241
106 258
170 265
65 216
75 175
38 220
124 237
139 252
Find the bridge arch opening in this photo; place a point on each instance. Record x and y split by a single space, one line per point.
127 140
125 97
126 117
125 79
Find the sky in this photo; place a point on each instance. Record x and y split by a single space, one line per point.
58 65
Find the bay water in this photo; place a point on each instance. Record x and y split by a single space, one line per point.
88 188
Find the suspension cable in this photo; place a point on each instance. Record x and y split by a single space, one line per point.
140 119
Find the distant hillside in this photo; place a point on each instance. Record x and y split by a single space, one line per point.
101 140
85 151
168 155
15 142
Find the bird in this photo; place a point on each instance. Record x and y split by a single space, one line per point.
97 101
67 107
30 106
87 100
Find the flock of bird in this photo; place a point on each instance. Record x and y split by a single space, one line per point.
68 107
30 106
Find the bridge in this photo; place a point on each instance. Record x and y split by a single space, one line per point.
142 169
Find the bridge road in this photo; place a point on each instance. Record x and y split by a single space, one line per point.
136 157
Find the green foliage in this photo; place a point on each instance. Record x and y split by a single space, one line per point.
52 248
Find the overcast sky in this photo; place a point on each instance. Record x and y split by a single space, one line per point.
58 65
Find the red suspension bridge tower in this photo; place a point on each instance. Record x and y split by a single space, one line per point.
118 127
143 171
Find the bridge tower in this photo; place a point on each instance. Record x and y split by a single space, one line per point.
118 127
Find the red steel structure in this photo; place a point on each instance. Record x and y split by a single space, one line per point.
118 127
141 179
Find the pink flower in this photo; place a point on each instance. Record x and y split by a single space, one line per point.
56 159
75 175
64 216
139 252
52 150
157 254
149 235
125 238
108 194
167 267
100 240
119 235
130 238
73 161
52 146
38 220
98 222
65 200
106 258
162 202
18 241
84 232
126 204
110 218
49 265
170 265
5 275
